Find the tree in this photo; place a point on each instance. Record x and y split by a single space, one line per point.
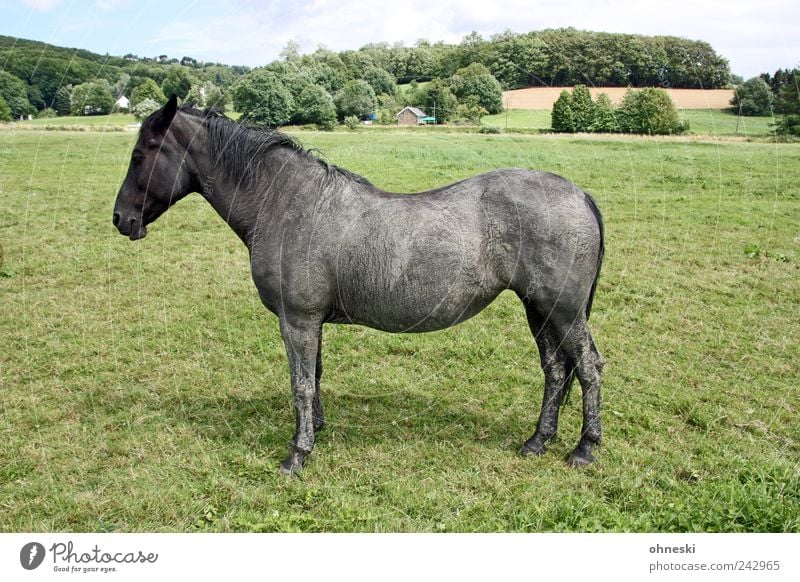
5 110
145 108
206 95
649 111
470 111
381 81
148 89
582 108
63 100
291 52
216 98
121 86
605 120
753 97
476 81
92 99
14 93
788 93
262 99
356 98
561 118
35 97
315 105
788 125
177 82
439 101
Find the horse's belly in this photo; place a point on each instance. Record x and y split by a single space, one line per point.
415 304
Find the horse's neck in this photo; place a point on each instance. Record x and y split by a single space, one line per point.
239 200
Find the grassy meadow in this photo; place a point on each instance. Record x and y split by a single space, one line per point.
144 388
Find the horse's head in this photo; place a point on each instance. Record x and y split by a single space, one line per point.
157 175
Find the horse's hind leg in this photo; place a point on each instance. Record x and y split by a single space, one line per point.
556 371
577 343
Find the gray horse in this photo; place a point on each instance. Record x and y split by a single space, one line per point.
326 246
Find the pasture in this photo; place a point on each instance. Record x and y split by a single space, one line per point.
144 388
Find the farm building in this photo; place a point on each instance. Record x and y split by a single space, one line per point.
411 116
123 103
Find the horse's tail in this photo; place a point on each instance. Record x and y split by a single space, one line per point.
600 252
570 367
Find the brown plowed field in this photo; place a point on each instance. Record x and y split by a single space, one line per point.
544 97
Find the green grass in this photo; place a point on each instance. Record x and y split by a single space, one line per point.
726 123
144 388
113 120
519 119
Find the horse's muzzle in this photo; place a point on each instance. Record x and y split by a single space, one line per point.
130 227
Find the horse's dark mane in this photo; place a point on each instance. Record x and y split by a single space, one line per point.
241 148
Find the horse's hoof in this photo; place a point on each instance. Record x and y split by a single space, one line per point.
580 459
290 467
532 450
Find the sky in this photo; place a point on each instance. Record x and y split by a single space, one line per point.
754 36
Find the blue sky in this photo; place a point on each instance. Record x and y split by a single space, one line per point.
753 36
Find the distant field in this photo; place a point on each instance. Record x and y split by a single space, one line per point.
544 97
711 122
115 119
143 387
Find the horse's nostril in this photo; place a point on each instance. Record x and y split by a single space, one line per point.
116 218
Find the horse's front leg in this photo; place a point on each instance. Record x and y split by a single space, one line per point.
301 336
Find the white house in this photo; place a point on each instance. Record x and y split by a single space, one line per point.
123 103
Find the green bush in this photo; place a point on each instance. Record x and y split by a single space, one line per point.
561 117
46 113
352 122
144 109
788 125
753 98
605 119
583 110
649 111
490 129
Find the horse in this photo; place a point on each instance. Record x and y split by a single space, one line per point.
327 246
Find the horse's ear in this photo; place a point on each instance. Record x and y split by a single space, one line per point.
169 111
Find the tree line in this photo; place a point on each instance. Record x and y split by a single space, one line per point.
459 81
